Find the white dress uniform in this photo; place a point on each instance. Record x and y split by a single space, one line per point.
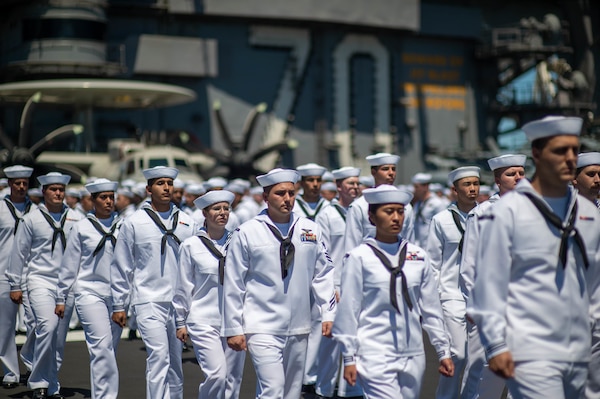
39 247
526 300
198 305
424 211
358 226
145 267
10 217
246 209
443 246
478 380
272 307
386 344
332 221
307 210
85 272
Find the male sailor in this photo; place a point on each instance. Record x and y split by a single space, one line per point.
310 202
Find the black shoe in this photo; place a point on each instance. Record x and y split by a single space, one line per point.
132 335
308 388
56 396
40 393
10 385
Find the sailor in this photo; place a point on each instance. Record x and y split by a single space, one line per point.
191 192
85 271
358 227
145 264
332 221
215 184
478 380
530 300
124 203
310 202
178 189
198 299
444 246
276 264
587 176
381 333
12 209
39 244
587 183
425 206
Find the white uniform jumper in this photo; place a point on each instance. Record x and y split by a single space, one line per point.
332 221
145 267
478 380
271 302
358 226
10 217
592 389
85 272
39 246
381 330
528 301
424 211
198 305
444 247
307 210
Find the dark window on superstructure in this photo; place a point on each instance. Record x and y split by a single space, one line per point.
60 28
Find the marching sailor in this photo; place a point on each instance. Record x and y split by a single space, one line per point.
276 262
198 299
310 202
387 288
85 271
12 209
530 300
145 264
39 244
444 247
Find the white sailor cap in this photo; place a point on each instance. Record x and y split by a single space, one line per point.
125 192
328 176
367 181
421 178
235 188
507 160
84 193
128 183
311 169
278 175
178 183
160 171
387 194
140 190
54 178
345 172
328 186
242 182
256 190
215 182
435 187
18 172
382 158
484 189
195 189
34 192
3 181
213 197
73 192
101 185
462 172
553 126
587 159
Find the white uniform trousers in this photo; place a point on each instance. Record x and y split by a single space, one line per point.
50 337
164 371
592 389
8 347
545 379
279 364
28 347
312 348
390 376
223 367
102 337
456 323
329 366
478 380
